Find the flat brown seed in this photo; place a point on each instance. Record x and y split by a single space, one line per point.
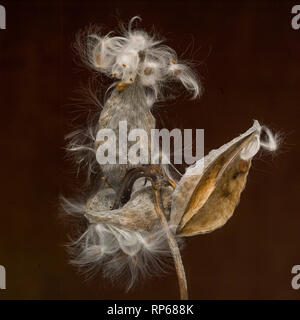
147 71
243 165
121 86
98 59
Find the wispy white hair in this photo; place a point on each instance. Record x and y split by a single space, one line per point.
81 148
271 142
118 252
136 56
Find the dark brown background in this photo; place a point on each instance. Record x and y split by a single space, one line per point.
250 62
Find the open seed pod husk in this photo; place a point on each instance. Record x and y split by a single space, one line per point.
138 214
209 191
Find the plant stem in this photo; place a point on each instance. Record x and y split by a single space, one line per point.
173 246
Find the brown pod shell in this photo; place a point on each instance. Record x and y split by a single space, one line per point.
136 215
207 194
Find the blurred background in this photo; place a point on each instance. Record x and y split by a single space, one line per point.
248 57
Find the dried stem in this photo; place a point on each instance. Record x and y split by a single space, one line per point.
173 246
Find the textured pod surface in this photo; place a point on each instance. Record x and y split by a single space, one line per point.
129 106
136 215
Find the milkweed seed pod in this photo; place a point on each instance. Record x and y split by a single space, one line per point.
138 217
142 68
131 238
